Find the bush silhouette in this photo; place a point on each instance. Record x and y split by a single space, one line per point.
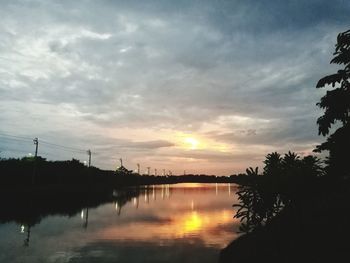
263 196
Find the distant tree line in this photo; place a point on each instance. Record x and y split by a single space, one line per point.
72 174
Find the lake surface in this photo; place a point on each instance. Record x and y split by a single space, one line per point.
164 223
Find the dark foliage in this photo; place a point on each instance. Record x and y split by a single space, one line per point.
40 173
336 106
281 185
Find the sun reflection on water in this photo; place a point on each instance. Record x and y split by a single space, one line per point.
187 219
189 211
192 222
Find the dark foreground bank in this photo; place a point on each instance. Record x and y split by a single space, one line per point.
317 230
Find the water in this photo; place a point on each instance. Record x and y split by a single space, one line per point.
165 223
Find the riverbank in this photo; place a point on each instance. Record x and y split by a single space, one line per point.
314 231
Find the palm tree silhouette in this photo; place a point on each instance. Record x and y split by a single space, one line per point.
273 164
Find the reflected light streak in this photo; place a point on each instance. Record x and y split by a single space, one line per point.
188 185
146 196
167 191
192 223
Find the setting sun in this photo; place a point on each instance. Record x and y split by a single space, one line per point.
192 143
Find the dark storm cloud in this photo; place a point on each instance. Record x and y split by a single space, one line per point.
277 131
145 145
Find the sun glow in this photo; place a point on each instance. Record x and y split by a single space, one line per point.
197 142
192 143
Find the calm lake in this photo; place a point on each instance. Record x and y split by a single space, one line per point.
163 223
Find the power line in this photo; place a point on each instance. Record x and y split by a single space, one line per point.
15 136
63 147
12 150
14 139
47 144
20 154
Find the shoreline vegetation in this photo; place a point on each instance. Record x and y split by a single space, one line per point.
291 217
36 174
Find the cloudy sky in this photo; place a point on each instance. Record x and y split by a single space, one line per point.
202 86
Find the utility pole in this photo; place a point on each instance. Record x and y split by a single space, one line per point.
26 241
86 222
36 142
138 168
88 179
148 170
89 153
121 162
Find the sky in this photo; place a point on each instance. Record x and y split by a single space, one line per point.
197 86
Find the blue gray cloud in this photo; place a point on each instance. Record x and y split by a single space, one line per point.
87 73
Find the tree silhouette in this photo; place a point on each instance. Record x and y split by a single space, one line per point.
263 196
291 161
311 166
273 164
336 106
